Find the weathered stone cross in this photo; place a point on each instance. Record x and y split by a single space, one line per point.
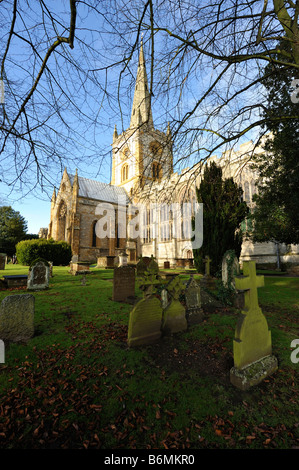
253 360
207 260
250 282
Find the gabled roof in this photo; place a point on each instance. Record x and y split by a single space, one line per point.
100 191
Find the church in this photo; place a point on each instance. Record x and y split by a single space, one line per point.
142 173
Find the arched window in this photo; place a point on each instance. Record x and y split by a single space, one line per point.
253 188
246 192
187 201
94 235
156 171
125 172
62 213
155 150
165 223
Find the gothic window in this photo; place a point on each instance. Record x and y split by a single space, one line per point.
187 202
147 219
156 171
189 254
125 172
253 188
94 235
62 212
165 223
155 150
246 192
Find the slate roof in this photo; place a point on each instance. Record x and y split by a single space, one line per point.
100 191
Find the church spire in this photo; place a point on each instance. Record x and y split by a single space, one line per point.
141 109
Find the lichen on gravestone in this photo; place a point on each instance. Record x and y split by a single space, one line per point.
174 315
17 318
38 276
145 322
252 342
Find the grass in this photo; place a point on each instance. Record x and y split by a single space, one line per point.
76 384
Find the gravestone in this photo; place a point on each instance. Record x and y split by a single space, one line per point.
38 277
2 261
148 276
112 261
145 322
15 280
164 298
17 318
230 269
194 312
252 346
123 283
146 317
142 265
80 267
123 259
207 281
174 315
50 268
2 352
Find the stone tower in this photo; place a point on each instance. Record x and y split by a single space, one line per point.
141 154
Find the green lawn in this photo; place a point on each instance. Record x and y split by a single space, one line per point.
76 384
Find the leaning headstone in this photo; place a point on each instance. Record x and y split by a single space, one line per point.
174 315
17 318
253 359
145 322
123 283
38 276
2 261
194 312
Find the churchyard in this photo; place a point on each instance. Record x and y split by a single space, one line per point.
77 383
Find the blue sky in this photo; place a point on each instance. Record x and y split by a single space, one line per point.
87 144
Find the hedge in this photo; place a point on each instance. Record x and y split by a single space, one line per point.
60 253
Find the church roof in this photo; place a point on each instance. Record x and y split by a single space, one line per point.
100 191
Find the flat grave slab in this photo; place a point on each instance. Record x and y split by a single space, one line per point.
17 280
